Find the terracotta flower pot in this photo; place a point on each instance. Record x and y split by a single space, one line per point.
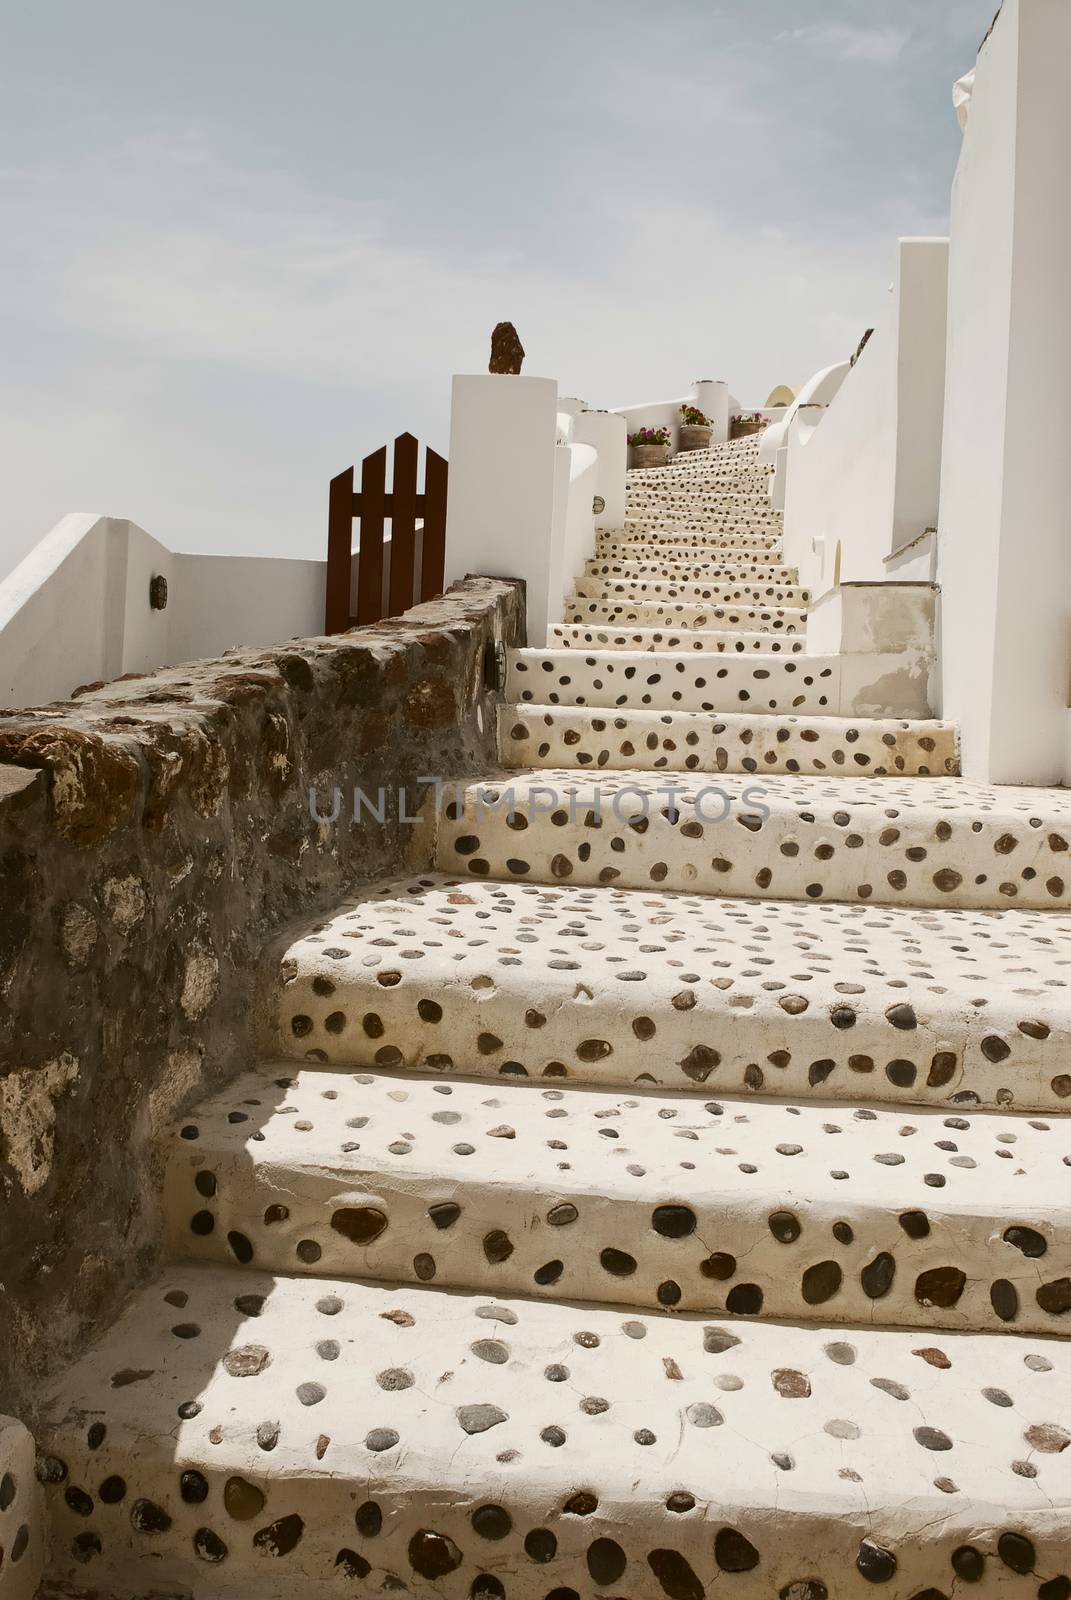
741 430
649 455
694 436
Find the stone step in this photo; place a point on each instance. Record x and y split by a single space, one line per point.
746 503
626 1197
571 636
760 594
552 979
729 498
635 739
653 533
675 680
725 492
668 681
890 842
707 476
650 613
242 1433
635 551
727 489
765 564
885 841
711 471
752 522
683 469
743 502
695 570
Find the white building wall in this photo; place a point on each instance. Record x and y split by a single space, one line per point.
1004 556
77 610
862 470
220 601
922 333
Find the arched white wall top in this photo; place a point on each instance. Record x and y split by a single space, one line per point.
820 390
783 395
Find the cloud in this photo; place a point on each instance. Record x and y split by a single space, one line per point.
843 41
170 257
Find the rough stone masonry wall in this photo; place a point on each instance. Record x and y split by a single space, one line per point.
154 833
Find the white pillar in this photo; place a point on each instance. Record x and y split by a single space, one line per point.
608 432
712 398
1004 554
500 507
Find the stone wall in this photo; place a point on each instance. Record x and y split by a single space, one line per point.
154 833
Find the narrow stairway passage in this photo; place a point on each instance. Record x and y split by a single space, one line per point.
665 1194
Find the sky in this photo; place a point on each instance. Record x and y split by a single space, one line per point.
245 242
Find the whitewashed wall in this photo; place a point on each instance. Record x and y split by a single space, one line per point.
77 610
1004 558
862 473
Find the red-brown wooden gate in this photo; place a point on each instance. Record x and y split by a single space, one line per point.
413 568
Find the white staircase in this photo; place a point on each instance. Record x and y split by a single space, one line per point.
666 1196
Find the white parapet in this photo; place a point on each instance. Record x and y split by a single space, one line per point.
501 507
711 396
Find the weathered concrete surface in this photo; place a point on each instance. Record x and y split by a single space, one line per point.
153 833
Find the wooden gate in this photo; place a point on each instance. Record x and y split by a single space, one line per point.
390 577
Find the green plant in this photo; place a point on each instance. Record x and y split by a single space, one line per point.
649 436
692 417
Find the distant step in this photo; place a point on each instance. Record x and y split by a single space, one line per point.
670 614
744 500
684 741
760 594
295 1437
716 521
542 977
611 548
572 636
696 570
684 536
